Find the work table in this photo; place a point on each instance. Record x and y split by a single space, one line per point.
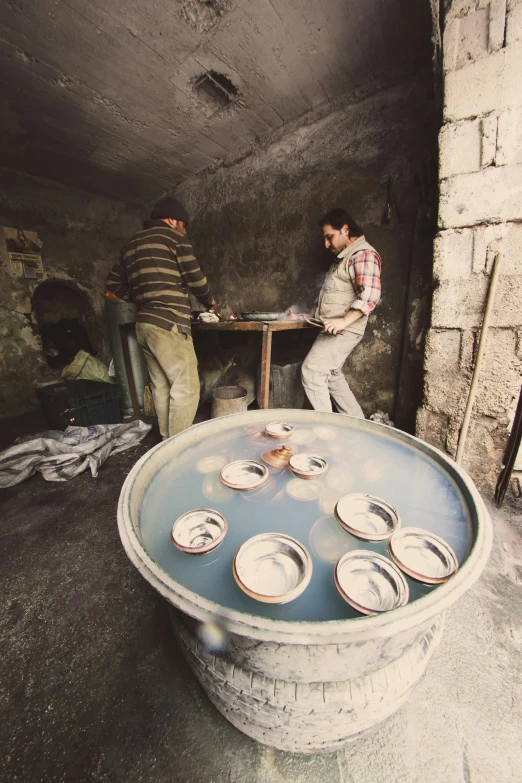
266 328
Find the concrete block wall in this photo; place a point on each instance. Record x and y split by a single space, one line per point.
480 214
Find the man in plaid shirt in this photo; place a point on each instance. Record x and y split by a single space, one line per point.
351 289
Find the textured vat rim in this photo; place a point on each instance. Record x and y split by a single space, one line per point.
305 632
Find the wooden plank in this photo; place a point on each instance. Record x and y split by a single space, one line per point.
157 26
252 124
334 31
228 326
250 326
207 59
322 66
249 54
172 117
284 326
82 141
266 357
43 105
147 104
255 119
289 62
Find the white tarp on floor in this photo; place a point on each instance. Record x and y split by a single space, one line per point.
60 456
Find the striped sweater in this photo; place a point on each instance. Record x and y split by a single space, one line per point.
156 271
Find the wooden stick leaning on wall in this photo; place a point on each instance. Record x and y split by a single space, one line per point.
480 353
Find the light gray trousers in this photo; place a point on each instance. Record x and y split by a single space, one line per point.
323 377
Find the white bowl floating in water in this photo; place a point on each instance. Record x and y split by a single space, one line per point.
307 466
215 491
340 479
325 433
302 437
244 474
370 583
422 555
210 464
279 429
199 531
367 517
267 492
372 470
329 541
272 567
304 490
328 502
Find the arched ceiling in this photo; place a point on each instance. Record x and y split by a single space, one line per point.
131 97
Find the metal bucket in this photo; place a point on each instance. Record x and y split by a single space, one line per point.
304 686
227 400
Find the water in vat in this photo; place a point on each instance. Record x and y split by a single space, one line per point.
368 462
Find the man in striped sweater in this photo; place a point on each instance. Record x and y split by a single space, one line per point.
157 270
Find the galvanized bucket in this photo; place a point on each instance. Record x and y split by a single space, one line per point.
227 400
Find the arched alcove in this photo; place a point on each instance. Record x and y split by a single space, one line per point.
65 319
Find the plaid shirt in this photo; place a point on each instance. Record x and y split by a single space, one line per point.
365 273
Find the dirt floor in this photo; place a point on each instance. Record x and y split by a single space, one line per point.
93 687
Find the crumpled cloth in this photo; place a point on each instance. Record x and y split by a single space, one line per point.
208 317
381 418
60 456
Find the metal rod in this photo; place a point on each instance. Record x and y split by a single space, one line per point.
510 454
480 353
125 332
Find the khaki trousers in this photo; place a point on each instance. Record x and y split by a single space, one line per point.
323 377
173 370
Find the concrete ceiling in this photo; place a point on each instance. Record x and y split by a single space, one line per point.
106 95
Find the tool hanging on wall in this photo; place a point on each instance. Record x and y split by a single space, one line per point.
391 207
387 213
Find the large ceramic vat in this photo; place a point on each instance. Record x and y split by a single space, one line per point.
298 685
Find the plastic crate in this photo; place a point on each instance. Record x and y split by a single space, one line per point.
80 403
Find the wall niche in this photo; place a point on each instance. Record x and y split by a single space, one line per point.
66 322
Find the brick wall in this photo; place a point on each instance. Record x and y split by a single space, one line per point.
480 213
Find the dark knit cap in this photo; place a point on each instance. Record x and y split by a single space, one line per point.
169 207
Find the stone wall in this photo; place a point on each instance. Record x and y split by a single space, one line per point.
81 235
255 221
480 214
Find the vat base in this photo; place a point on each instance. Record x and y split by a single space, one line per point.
307 717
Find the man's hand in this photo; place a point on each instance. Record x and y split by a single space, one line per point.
334 325
213 307
338 325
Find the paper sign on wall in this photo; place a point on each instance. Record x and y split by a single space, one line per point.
24 251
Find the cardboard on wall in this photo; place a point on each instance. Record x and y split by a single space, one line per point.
24 252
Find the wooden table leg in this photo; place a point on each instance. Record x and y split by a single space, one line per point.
266 356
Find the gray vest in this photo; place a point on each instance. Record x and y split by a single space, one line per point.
338 294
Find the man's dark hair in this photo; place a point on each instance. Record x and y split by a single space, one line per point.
337 218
